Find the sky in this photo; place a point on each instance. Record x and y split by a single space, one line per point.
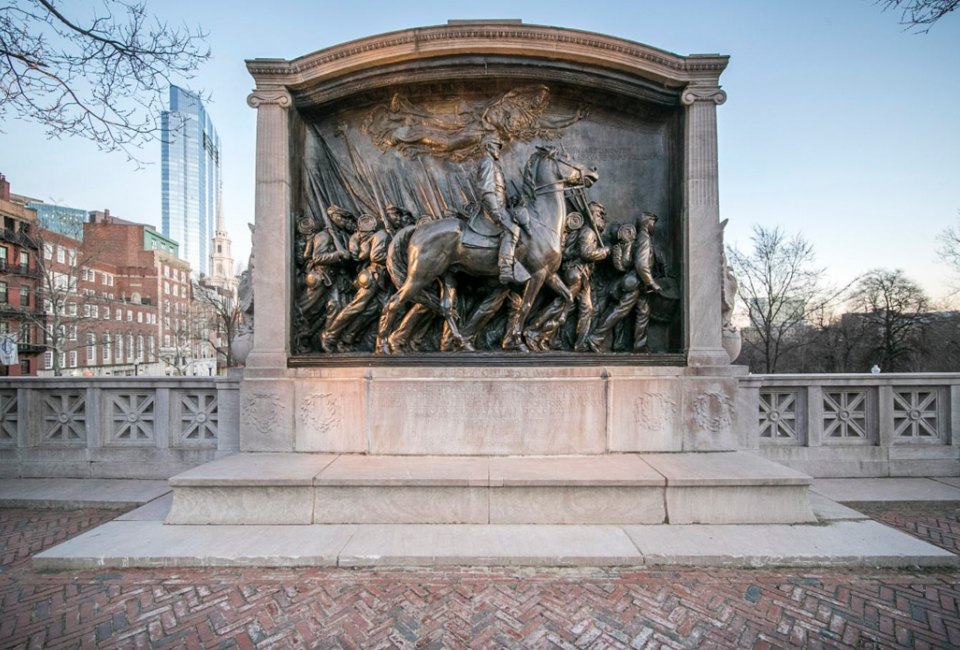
838 124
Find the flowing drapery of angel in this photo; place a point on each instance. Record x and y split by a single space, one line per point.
454 130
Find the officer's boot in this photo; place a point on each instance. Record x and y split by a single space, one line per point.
508 245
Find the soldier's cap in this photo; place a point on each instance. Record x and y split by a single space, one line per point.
648 216
627 230
574 221
307 223
340 212
594 205
492 139
367 223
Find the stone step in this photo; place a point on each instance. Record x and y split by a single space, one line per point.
623 489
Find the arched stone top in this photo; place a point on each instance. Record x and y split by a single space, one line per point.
461 42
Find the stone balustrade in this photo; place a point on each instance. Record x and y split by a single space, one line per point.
111 427
836 425
149 427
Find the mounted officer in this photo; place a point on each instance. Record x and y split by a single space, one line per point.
492 190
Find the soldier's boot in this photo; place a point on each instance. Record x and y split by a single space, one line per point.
508 246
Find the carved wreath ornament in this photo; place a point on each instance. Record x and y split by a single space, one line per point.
262 410
320 411
713 411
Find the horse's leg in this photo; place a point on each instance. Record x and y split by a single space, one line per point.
512 339
410 288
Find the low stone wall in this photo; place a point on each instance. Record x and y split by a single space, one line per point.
107 427
859 425
149 427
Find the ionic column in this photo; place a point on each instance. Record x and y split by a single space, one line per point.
702 233
271 239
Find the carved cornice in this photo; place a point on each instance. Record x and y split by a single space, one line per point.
695 94
522 41
279 97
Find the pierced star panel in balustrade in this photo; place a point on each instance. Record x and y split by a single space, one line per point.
916 413
132 418
844 414
778 415
198 417
63 417
9 417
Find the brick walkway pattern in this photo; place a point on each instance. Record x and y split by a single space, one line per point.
307 608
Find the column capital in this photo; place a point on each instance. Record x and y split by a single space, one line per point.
693 94
278 96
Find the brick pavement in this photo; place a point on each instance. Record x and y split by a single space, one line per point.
469 607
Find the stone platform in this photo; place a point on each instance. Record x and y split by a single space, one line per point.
621 489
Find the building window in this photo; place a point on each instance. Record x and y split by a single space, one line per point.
86 310
119 348
48 360
106 313
61 255
130 347
150 347
129 316
119 314
3 293
25 330
107 344
25 367
24 295
3 256
166 340
24 261
140 347
73 332
95 311
139 316
72 309
91 348
73 358
48 255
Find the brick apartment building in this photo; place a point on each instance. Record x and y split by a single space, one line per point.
95 324
19 279
152 274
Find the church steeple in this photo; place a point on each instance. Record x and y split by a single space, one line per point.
221 259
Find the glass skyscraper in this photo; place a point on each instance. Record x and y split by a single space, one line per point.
191 177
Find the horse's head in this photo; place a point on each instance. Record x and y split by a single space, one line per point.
564 172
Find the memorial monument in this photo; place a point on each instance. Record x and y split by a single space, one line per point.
490 254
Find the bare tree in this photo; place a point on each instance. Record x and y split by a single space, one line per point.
920 15
101 76
64 268
949 250
895 308
781 288
220 313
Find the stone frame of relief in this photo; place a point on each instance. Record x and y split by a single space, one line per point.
400 120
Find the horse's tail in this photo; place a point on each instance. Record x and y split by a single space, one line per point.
397 255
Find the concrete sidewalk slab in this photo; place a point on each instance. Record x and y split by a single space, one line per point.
828 510
885 490
489 545
128 544
156 510
949 480
842 543
115 494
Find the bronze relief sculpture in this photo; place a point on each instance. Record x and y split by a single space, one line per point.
418 237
